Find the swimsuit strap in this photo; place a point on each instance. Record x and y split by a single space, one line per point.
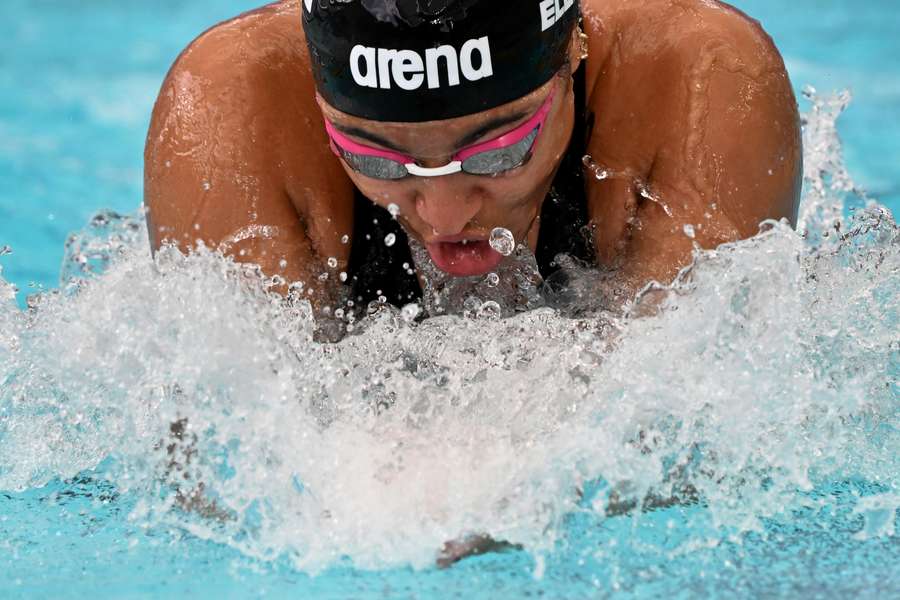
564 215
376 269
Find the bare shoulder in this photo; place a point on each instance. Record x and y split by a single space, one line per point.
253 39
675 33
233 68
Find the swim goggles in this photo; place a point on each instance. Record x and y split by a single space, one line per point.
505 153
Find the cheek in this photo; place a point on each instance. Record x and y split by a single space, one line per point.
381 193
530 184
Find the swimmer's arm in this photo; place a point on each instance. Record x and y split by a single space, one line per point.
222 167
731 160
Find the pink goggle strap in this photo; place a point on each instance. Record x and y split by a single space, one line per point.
349 145
510 138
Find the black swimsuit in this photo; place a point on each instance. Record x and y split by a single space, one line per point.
377 269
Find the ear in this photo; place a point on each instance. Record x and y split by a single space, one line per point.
577 48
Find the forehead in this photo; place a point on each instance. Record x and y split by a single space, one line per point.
439 133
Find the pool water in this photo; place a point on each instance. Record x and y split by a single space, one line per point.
772 416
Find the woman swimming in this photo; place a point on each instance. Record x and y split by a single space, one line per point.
318 152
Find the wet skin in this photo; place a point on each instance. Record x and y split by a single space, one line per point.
691 99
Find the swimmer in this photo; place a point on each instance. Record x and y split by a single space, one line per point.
319 138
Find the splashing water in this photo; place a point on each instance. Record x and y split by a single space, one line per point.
765 373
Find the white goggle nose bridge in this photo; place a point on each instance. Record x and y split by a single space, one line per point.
448 169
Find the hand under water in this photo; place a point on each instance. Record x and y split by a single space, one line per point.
473 545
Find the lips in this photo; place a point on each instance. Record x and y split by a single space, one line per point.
464 258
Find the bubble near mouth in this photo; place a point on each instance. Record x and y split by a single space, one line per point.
502 241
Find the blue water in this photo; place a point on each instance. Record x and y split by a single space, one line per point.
77 82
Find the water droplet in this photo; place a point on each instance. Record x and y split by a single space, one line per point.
207 185
489 310
689 231
343 276
345 239
472 304
390 239
332 263
492 280
339 313
5 250
410 312
393 209
283 263
599 172
502 241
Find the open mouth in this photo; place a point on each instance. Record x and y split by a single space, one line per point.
466 258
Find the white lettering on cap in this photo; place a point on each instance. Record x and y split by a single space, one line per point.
408 70
370 79
552 11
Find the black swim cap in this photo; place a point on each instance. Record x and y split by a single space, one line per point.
427 60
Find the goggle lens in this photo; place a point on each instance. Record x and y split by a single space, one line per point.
495 162
375 167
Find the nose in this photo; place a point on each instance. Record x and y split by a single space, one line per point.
446 206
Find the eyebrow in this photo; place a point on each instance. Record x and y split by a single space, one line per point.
466 140
362 133
490 126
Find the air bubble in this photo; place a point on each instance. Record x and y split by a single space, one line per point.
502 241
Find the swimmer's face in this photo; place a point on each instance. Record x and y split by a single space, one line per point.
462 207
